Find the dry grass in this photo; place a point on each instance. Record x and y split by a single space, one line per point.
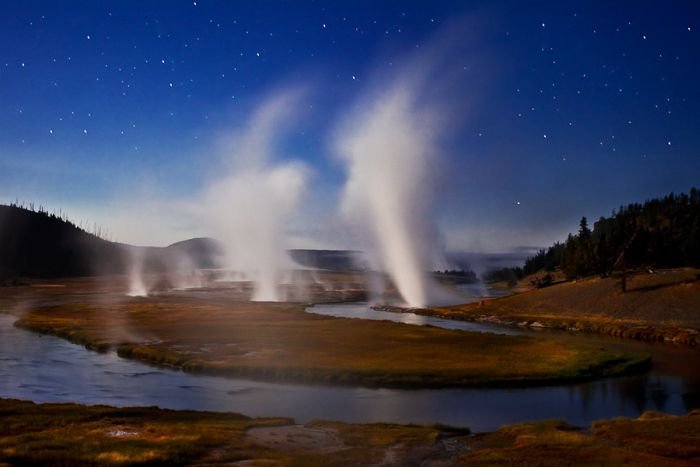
661 306
276 341
72 434
663 441
655 434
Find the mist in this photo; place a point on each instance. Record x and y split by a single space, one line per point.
137 283
390 142
389 151
249 207
392 151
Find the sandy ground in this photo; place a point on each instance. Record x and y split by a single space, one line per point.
296 438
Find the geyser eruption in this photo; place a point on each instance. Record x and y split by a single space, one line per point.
249 207
137 284
259 202
390 154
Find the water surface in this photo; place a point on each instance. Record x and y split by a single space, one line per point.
364 311
48 369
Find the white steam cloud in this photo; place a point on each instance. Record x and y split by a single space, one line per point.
390 151
249 207
137 283
391 147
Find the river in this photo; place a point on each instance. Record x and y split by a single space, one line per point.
48 369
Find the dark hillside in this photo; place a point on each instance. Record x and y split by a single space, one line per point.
659 233
38 244
42 245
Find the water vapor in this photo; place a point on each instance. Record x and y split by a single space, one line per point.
391 148
137 282
249 207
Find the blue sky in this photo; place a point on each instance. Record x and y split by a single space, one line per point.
115 111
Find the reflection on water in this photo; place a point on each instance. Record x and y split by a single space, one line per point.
46 368
363 311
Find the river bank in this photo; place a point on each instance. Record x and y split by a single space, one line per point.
280 342
659 307
74 434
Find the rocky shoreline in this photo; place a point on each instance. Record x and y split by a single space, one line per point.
681 336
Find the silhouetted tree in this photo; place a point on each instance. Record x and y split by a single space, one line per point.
663 232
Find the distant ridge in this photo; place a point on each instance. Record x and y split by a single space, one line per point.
36 244
42 245
334 260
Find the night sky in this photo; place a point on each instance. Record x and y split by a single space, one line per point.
114 111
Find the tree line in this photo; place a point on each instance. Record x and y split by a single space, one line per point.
36 243
661 232
59 215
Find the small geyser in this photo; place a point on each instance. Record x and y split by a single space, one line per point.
184 274
390 153
249 207
137 283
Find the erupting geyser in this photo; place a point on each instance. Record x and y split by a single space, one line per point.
250 207
389 150
137 285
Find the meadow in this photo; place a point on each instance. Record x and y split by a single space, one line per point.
282 342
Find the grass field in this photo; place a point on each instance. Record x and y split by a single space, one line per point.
652 439
279 341
275 341
72 434
660 306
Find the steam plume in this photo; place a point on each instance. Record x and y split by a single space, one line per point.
389 151
137 285
249 207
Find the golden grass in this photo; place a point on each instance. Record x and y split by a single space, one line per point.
72 434
661 306
664 441
276 341
655 434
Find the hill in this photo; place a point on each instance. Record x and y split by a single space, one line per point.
36 244
333 260
664 305
39 244
659 233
